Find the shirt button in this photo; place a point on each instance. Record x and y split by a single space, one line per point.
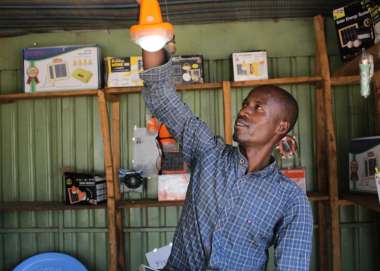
241 162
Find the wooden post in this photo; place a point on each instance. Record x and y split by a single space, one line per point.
104 123
331 142
322 177
227 112
116 166
376 90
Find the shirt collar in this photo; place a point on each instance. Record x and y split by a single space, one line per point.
243 165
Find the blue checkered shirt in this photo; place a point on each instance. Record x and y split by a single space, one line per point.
230 218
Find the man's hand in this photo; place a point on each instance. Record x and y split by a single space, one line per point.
153 59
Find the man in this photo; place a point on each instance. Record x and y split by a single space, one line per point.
238 204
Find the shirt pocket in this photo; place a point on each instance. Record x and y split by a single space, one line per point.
255 235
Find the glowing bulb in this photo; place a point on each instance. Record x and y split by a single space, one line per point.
151 33
152 43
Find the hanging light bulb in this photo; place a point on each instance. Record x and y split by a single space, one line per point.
366 73
151 33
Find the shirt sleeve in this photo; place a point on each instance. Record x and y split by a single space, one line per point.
193 135
293 241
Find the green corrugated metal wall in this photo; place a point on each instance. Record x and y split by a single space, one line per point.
39 138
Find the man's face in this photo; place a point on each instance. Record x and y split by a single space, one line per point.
257 120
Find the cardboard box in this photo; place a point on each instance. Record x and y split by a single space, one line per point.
123 71
83 188
250 65
374 10
172 186
187 69
298 175
364 157
71 67
354 29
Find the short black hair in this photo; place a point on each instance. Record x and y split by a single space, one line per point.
288 102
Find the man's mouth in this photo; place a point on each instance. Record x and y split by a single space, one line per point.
241 123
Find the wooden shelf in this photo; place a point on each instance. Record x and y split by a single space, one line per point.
278 81
317 196
5 98
52 94
146 203
366 200
43 206
143 203
352 67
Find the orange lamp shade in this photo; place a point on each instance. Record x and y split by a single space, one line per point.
151 33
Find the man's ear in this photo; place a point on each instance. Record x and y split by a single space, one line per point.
283 127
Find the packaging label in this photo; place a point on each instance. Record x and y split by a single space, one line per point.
338 13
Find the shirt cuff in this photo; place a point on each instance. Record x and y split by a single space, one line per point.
158 73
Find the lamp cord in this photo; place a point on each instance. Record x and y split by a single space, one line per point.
167 11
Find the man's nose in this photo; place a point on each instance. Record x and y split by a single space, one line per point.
244 112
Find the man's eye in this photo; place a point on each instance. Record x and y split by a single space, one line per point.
258 107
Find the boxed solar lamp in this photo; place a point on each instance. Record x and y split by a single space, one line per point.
72 67
250 65
188 69
172 187
82 189
363 160
354 29
297 175
123 71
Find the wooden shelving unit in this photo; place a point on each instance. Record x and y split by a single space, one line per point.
370 202
327 186
17 206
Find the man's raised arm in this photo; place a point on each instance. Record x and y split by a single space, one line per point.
160 97
153 59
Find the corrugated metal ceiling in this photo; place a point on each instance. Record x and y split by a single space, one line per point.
20 17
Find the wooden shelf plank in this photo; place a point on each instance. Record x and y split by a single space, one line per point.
352 67
180 87
317 196
345 80
366 200
147 203
52 94
43 206
4 98
277 81
143 203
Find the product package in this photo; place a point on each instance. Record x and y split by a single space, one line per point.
187 69
81 188
363 160
172 186
298 175
57 68
374 10
123 71
250 65
354 29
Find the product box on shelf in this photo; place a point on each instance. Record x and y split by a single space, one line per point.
363 160
188 69
354 29
81 188
374 10
298 175
72 67
172 186
123 71
250 65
